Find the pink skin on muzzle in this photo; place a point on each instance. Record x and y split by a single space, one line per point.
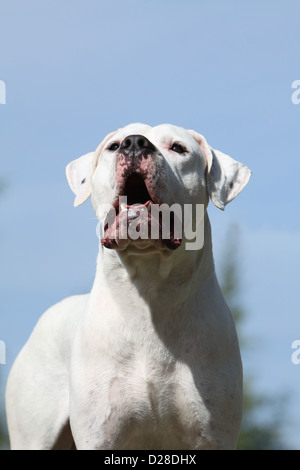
138 182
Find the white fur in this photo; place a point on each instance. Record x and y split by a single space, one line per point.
150 358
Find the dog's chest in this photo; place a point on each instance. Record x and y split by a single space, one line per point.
156 407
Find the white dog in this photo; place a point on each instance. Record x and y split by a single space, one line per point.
150 358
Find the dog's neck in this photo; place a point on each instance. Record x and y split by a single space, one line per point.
153 274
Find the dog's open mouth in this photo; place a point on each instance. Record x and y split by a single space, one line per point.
136 217
136 191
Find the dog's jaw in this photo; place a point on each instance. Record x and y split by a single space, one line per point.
137 192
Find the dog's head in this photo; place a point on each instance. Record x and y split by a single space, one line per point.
138 170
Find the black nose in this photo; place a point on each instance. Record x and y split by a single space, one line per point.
136 145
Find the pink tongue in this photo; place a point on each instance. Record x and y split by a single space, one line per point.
136 205
134 210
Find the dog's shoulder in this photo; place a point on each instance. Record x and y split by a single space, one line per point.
67 310
53 334
61 319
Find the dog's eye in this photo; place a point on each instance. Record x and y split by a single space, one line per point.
178 148
114 146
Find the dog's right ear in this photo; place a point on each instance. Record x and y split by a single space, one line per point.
79 176
79 172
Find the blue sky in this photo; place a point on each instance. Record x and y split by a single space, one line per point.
75 71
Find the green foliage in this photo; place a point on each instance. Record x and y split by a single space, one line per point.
259 433
263 417
3 434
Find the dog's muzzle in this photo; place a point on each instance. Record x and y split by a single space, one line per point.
139 177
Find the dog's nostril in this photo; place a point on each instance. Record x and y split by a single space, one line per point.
142 143
136 143
126 143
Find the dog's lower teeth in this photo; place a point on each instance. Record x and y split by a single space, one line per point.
133 213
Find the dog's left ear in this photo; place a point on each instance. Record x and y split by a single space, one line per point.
79 176
226 177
